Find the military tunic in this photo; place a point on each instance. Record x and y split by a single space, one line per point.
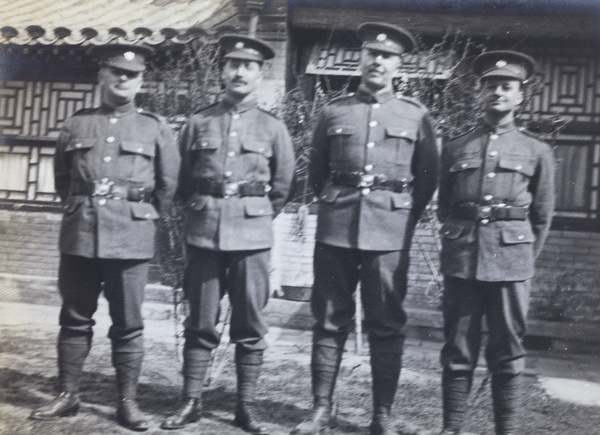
366 228
229 236
126 147
506 176
115 170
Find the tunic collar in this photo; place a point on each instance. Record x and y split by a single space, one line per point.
120 110
505 127
365 95
246 104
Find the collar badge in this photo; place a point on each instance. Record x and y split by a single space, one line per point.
501 63
129 55
381 37
239 45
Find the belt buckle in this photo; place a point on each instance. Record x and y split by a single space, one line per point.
484 212
230 189
366 180
102 187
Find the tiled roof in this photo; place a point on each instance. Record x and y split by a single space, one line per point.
333 59
94 22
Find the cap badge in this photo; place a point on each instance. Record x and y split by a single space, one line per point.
381 37
501 63
239 45
129 55
253 51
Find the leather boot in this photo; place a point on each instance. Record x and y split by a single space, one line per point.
386 363
195 367
189 412
248 364
244 419
130 416
382 422
319 420
456 386
66 404
127 358
506 398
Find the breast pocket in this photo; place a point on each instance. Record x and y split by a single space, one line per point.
256 153
402 141
339 139
136 160
514 174
467 175
78 151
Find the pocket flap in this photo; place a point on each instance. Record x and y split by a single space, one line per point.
197 202
401 133
143 148
465 164
512 236
260 146
451 231
329 196
402 200
144 211
257 206
72 204
524 166
340 130
80 144
206 143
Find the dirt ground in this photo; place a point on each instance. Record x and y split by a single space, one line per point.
28 378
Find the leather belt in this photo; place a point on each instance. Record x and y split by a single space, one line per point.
109 189
374 181
493 212
223 189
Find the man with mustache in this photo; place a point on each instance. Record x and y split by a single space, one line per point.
115 170
374 168
237 168
496 200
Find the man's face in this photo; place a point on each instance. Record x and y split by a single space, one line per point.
120 85
241 77
378 68
500 95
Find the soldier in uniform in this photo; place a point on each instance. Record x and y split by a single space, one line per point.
115 170
236 172
374 168
496 201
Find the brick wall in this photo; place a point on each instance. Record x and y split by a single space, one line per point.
565 287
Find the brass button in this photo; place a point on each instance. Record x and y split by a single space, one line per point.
373 124
519 167
368 168
494 136
488 197
484 221
107 159
376 106
113 120
493 153
365 191
370 144
78 145
110 139
228 174
236 116
491 174
464 165
233 134
521 237
102 201
231 154
338 130
204 144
